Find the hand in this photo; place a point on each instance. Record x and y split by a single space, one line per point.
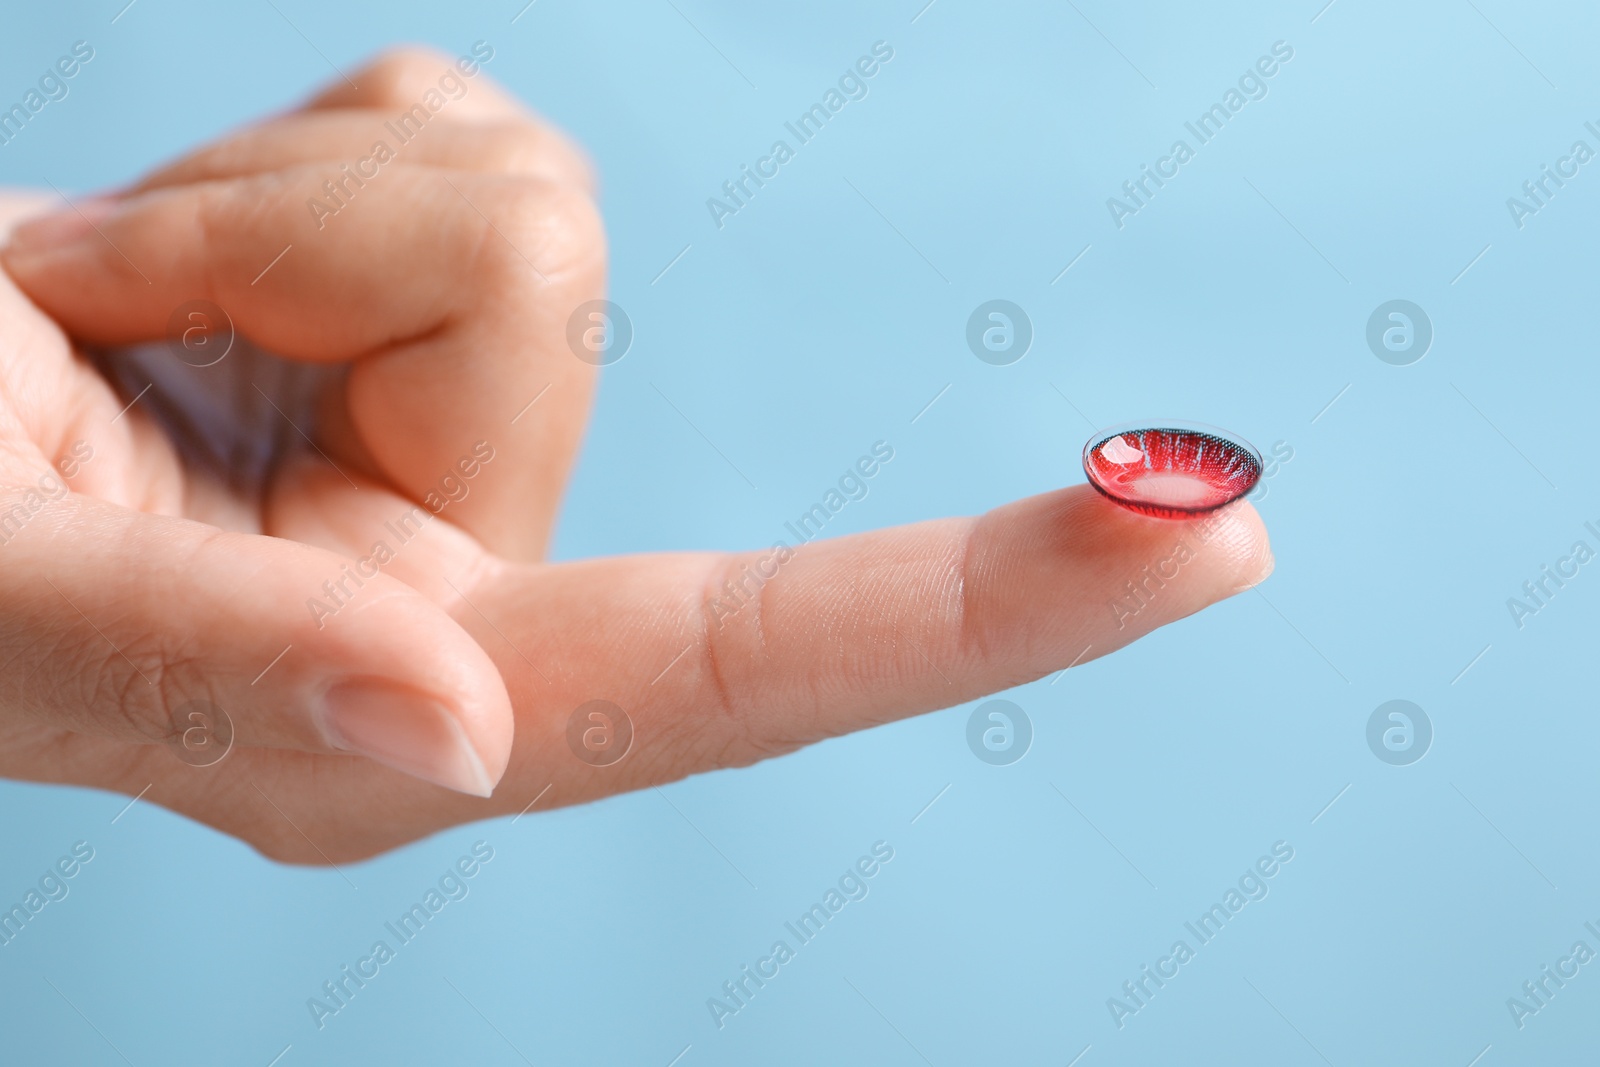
442 286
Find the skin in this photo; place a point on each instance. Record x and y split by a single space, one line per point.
444 288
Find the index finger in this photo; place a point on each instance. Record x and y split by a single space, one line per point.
723 660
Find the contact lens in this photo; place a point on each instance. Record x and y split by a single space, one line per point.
1172 470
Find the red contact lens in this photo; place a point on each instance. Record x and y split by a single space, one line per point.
1172 470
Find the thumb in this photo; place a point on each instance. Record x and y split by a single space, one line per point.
161 630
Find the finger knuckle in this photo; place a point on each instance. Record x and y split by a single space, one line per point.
967 576
514 148
552 228
400 75
523 148
229 156
227 220
732 636
145 687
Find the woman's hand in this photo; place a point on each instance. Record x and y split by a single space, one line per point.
437 285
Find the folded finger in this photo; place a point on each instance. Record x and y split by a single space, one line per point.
450 291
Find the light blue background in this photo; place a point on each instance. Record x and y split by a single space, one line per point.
806 329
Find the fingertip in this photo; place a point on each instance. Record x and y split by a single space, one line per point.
1230 544
54 230
423 696
1240 549
1072 573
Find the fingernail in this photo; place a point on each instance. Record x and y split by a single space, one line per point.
45 232
401 728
